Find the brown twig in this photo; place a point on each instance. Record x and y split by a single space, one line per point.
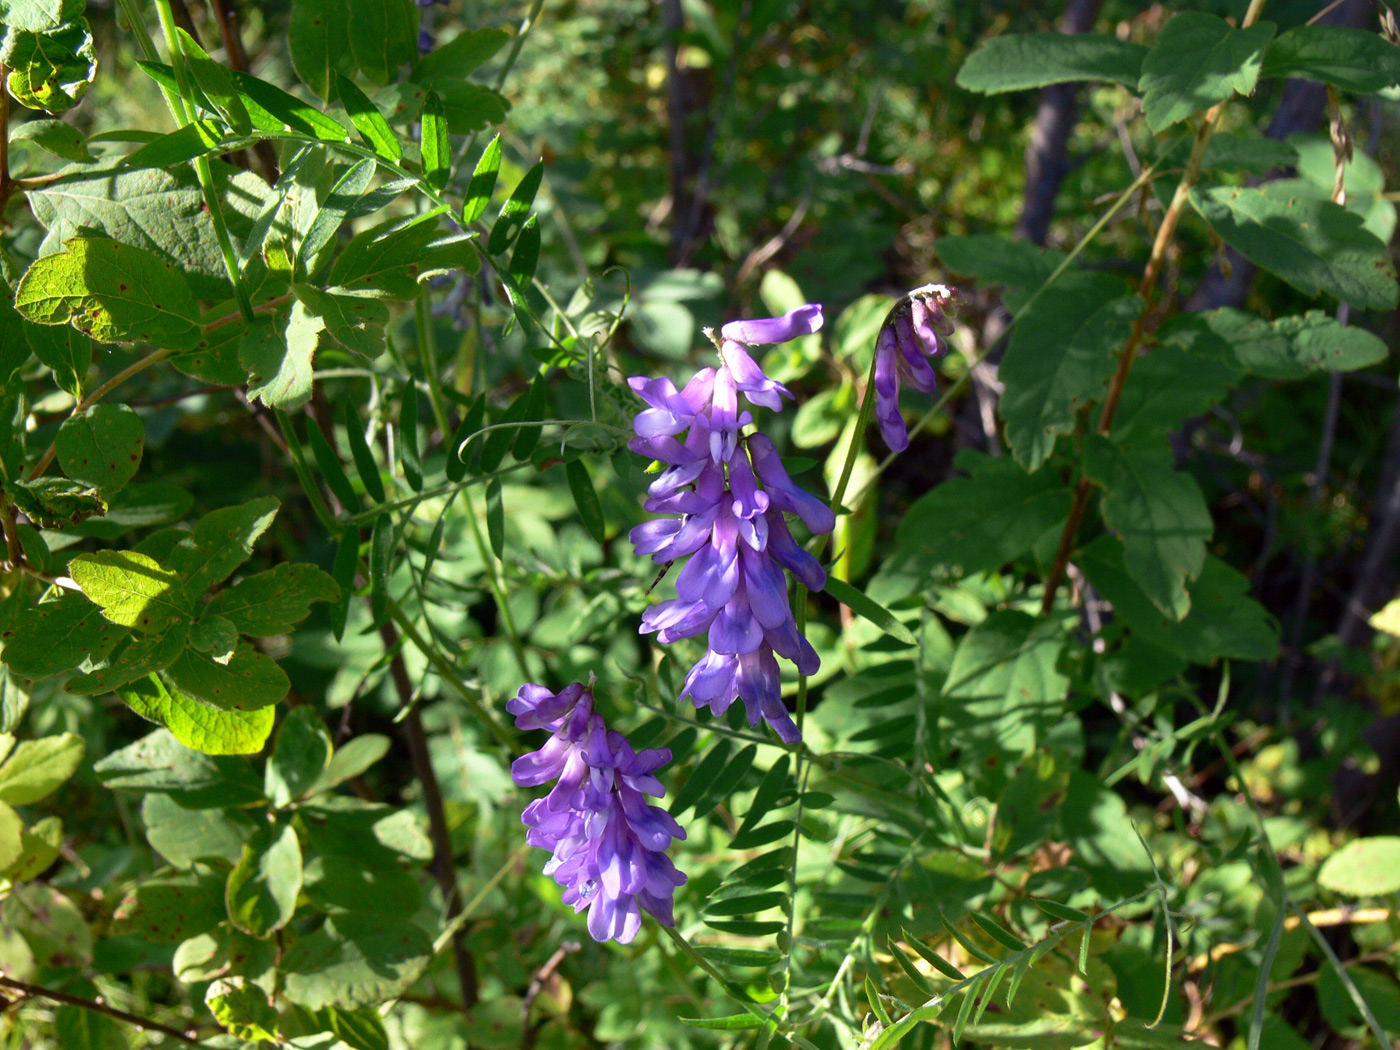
443 866
226 15
1142 327
532 993
141 1023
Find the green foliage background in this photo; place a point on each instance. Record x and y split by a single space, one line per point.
312 360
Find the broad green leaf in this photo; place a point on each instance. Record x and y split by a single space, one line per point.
467 107
361 1029
354 961
196 725
1367 867
249 681
1256 154
368 121
160 211
1315 245
351 759
14 342
483 182
1059 359
1363 179
979 521
102 446
319 40
60 139
1008 655
183 836
1018 61
279 358
1155 402
214 636
1288 348
171 907
221 541
385 260
340 884
365 465
356 322
50 923
243 1009
39 16
383 36
859 602
36 768
39 848
66 351
1197 61
272 602
331 213
144 654
52 70
215 82
53 503
437 145
158 762
263 886
590 510
112 292
1160 515
57 636
460 56
299 758
516 210
132 589
379 835
1346 57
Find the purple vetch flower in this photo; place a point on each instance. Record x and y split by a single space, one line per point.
608 843
730 492
914 331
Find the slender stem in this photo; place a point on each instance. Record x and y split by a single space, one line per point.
303 472
491 568
13 551
427 346
154 357
867 408
444 864
444 668
38 991
1147 290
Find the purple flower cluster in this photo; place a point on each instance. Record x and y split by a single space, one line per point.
729 492
608 843
914 331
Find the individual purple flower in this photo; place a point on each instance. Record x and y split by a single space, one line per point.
607 842
730 492
914 331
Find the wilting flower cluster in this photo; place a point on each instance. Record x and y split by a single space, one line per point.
728 492
915 330
608 842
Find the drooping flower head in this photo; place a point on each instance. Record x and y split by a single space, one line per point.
608 843
915 330
728 492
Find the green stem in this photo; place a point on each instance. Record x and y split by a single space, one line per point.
493 579
427 346
303 472
867 408
444 668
